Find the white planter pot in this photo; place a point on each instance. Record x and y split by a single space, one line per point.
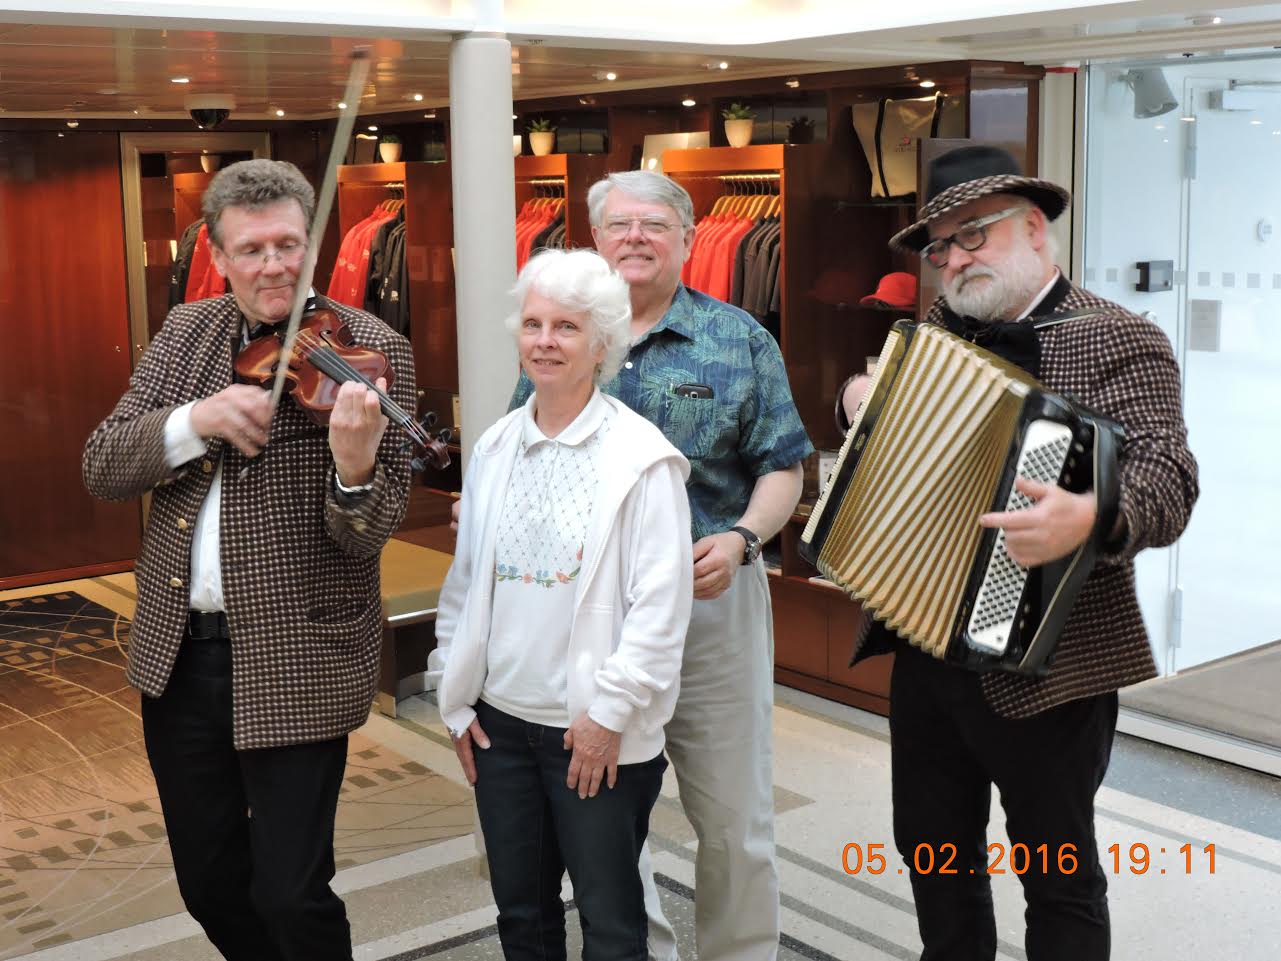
210 162
389 152
517 146
738 132
542 142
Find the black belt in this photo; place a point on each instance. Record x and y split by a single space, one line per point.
207 626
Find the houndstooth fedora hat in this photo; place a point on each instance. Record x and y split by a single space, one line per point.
968 173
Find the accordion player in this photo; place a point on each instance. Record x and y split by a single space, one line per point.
943 430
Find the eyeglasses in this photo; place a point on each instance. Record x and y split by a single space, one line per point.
971 236
650 227
290 253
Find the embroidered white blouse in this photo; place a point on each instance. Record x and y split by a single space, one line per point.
539 553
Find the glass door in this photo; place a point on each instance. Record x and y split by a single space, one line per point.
1227 572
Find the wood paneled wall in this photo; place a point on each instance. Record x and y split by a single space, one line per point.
65 359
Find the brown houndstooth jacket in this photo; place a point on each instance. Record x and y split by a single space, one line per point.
300 572
1122 366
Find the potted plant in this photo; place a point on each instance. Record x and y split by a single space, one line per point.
542 136
738 124
800 130
389 148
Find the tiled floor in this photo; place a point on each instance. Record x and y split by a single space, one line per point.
412 893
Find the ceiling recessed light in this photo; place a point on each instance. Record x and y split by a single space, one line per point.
688 102
61 135
513 116
418 98
180 80
430 115
927 84
611 76
73 124
792 82
723 65
1188 119
1256 123
373 128
280 113
341 105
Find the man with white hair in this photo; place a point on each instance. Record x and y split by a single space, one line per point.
1044 742
712 379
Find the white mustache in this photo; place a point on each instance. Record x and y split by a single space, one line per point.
973 272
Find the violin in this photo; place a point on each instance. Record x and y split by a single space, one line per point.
325 356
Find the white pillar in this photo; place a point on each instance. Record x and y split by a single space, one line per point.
480 108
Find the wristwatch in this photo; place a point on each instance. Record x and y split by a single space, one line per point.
753 548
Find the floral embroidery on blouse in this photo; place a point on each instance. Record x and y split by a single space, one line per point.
511 572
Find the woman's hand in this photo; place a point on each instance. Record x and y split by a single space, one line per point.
463 748
595 756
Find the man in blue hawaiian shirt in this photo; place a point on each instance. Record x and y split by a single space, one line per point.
713 380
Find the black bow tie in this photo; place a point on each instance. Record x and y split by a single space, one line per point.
1015 341
261 330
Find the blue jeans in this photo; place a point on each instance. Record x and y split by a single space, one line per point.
535 828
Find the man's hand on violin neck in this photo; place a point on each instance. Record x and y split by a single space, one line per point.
356 428
239 414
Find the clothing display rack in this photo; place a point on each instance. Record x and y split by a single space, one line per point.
188 190
426 192
562 175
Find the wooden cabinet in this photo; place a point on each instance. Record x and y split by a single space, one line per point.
814 632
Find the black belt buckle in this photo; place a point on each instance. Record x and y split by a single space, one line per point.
207 626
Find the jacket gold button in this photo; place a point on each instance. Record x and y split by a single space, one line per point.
206 465
175 582
182 524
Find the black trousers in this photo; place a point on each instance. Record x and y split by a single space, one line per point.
252 832
948 749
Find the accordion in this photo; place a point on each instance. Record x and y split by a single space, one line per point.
943 430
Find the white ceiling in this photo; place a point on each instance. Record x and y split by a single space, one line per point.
113 66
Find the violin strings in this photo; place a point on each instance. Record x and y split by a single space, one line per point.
329 362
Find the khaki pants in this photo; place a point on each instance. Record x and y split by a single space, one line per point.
720 742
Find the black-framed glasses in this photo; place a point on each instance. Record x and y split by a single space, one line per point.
971 236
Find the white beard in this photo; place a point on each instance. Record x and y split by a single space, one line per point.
1008 289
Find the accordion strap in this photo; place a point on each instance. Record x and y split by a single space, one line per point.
1053 320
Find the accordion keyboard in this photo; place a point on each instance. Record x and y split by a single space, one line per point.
1045 449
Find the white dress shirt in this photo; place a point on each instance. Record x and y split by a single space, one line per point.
183 444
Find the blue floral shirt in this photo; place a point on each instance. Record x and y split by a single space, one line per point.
748 427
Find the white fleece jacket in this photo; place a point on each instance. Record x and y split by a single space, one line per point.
631 602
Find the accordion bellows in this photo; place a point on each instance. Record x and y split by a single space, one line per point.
943 429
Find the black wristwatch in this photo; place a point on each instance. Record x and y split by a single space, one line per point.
753 548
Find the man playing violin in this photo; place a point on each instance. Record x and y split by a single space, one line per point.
255 642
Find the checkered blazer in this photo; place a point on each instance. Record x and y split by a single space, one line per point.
300 572
1122 366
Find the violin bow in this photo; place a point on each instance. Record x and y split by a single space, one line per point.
324 203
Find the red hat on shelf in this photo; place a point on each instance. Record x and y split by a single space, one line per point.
895 290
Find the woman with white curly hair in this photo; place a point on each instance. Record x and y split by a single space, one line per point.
562 622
